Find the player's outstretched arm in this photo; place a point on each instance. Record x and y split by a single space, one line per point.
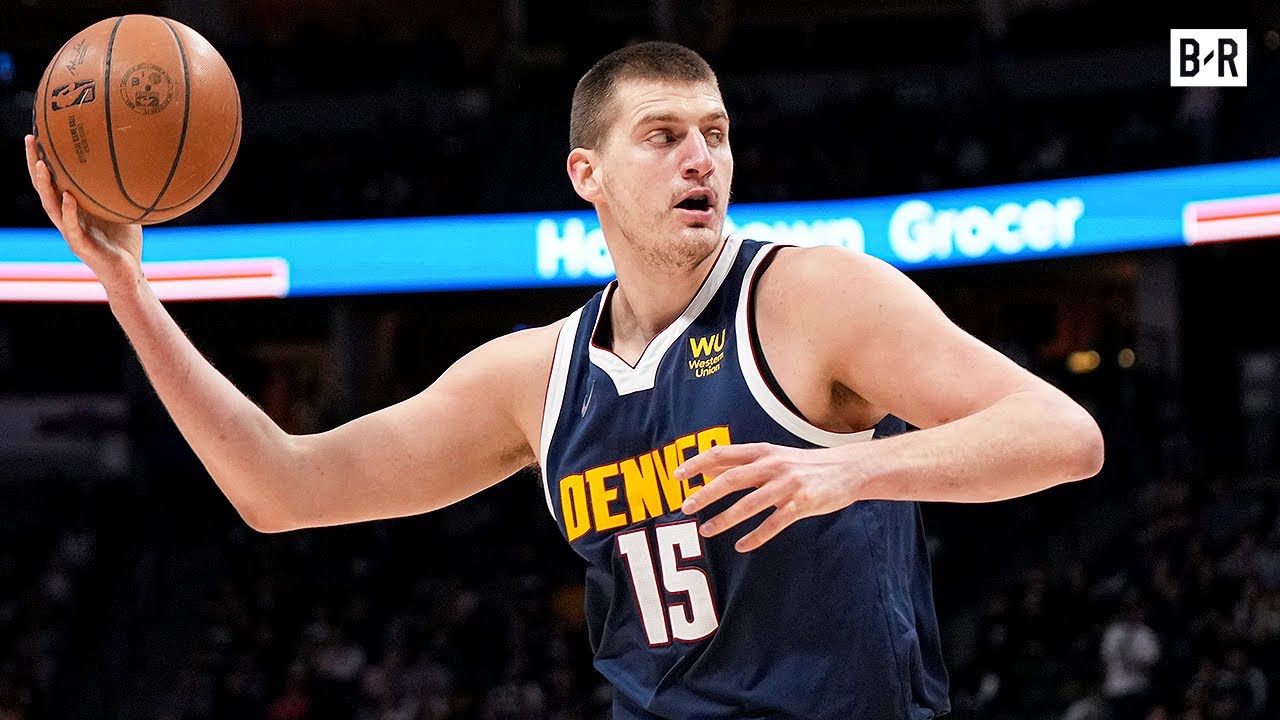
990 429
467 431
474 426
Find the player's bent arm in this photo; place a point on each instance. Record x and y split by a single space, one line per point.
467 431
990 429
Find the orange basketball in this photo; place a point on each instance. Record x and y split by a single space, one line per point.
138 117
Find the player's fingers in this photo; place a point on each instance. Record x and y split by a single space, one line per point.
730 481
772 525
751 504
713 461
29 149
48 196
71 228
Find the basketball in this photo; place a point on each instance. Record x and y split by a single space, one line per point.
138 117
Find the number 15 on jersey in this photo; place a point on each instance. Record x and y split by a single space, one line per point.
676 543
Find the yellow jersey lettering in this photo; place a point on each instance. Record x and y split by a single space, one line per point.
670 486
671 458
573 503
601 496
648 486
641 484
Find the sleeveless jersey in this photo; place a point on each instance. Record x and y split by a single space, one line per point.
832 618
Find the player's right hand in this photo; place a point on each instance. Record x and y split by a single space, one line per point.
112 250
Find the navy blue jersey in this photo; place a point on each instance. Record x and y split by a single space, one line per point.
833 618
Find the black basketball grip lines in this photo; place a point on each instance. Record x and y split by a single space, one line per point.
182 138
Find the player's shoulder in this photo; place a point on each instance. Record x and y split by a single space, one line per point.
528 348
804 275
515 367
829 260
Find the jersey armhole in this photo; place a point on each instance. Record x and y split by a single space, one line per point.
557 382
762 363
762 382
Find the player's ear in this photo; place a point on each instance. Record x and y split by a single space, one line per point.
582 173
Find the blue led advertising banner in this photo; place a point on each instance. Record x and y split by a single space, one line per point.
1133 211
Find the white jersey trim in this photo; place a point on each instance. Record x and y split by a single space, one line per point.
556 385
627 379
765 398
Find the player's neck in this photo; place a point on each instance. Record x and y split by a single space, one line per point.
649 299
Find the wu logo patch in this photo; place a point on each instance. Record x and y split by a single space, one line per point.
707 352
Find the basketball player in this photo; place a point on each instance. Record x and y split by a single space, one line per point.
720 431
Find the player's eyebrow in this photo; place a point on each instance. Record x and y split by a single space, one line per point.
661 116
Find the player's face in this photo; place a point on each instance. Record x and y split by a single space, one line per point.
664 169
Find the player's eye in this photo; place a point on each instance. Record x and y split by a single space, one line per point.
662 137
715 137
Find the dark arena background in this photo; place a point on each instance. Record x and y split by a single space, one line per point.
130 588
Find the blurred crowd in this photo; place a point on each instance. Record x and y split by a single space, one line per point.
48 548
1177 617
464 616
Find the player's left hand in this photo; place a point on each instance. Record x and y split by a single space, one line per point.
798 483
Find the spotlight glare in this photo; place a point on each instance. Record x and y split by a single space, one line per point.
1083 361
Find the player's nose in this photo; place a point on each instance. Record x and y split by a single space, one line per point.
696 160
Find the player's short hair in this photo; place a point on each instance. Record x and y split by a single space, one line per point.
592 109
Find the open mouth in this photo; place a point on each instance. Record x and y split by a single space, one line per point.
700 203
